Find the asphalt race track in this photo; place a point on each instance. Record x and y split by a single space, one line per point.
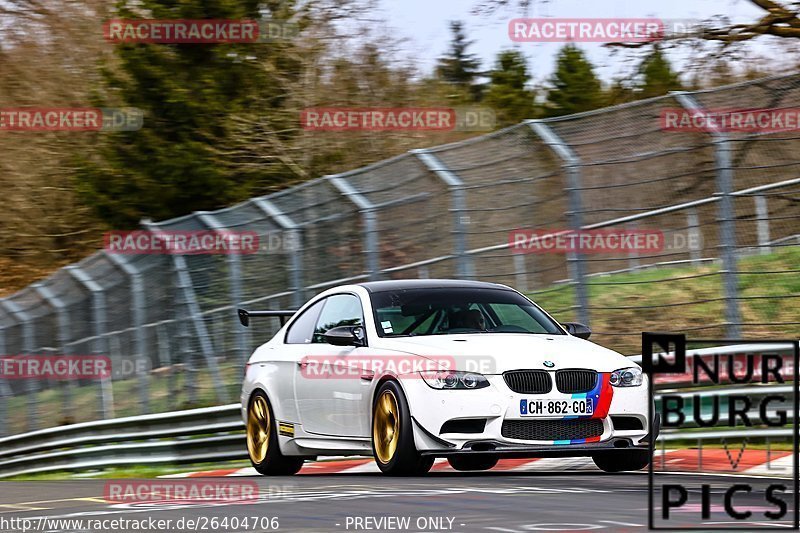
442 501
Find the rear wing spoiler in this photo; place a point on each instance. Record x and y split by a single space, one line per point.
244 315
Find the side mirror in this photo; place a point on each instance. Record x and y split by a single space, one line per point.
345 336
577 330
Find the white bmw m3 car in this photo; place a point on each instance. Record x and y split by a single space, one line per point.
411 370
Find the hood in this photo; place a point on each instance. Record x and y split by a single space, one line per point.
495 353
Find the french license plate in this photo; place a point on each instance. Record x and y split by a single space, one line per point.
582 407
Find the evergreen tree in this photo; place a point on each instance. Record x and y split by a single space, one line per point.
188 93
458 67
657 76
507 93
576 88
619 92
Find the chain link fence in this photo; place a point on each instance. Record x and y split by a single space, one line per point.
168 322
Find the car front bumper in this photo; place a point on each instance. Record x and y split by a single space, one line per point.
431 409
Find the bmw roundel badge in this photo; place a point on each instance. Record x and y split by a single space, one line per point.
549 364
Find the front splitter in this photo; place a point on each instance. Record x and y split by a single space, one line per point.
491 447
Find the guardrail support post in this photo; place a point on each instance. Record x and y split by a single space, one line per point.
28 347
370 220
60 309
100 344
727 233
465 267
185 286
572 168
295 234
138 312
762 224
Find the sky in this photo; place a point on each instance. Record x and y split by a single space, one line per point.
425 24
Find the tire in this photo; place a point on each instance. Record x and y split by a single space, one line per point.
622 461
265 455
466 463
392 436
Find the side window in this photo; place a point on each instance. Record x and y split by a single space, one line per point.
339 310
302 330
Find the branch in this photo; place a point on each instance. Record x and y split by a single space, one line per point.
779 21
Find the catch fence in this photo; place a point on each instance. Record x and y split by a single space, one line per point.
168 322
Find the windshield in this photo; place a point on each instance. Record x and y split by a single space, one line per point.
413 312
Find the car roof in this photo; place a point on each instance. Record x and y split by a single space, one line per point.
402 284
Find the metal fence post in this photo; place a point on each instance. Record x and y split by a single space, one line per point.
633 254
295 234
235 276
138 311
571 166
100 344
186 354
28 347
370 220
693 224
165 356
727 230
458 206
60 309
762 224
520 272
184 282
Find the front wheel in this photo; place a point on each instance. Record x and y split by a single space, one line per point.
622 461
262 440
392 436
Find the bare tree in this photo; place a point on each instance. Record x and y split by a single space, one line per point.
780 19
49 57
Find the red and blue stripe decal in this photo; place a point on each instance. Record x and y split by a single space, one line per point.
601 396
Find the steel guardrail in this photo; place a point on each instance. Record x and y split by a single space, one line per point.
191 436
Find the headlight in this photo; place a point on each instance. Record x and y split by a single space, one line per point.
627 377
452 380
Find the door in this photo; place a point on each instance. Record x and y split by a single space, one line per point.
330 390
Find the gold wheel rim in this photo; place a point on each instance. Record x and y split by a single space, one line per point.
386 426
258 428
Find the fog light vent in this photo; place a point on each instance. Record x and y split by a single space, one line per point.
464 425
626 423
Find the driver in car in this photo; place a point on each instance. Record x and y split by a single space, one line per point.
475 320
468 319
